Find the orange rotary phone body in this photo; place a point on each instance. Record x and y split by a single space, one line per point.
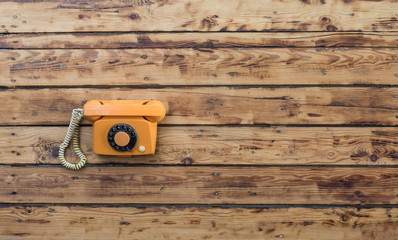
124 127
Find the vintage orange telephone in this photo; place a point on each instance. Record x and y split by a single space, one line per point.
120 127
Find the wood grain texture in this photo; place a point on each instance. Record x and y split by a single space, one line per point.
215 105
221 67
60 222
218 145
248 66
205 15
200 185
197 40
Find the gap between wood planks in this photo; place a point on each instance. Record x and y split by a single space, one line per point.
34 87
204 206
88 165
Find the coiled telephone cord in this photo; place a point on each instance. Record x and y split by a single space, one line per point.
73 131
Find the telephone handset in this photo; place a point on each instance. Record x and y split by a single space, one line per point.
120 127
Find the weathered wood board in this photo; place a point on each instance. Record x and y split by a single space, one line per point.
207 145
200 185
205 15
96 222
215 105
227 66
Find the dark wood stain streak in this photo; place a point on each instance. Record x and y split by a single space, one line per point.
40 221
21 234
195 40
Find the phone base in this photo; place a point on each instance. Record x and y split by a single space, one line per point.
140 134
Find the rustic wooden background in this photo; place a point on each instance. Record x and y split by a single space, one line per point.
281 118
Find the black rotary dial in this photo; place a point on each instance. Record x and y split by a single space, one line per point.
122 137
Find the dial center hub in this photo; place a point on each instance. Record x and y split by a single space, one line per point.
122 139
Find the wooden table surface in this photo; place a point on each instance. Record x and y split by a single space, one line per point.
281 118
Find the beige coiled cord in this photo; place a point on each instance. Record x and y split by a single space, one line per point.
73 131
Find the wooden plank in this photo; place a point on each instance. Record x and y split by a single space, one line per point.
218 145
200 185
61 222
215 105
253 66
206 15
197 40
